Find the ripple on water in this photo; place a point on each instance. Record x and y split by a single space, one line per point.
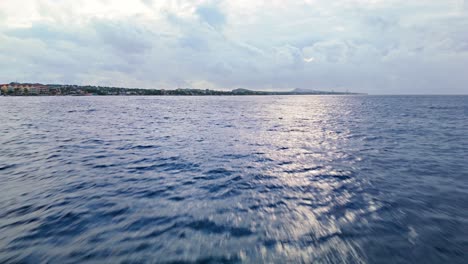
233 179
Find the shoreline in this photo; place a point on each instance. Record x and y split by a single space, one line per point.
37 89
185 95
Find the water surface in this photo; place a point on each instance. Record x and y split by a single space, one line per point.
276 179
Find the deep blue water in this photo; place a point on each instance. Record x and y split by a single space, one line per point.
328 179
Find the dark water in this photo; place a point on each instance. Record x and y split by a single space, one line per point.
358 179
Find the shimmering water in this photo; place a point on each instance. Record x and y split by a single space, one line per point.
332 179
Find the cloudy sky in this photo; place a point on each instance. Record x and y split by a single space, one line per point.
374 46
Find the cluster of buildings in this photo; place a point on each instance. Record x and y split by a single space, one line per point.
23 88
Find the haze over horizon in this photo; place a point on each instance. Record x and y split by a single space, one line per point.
367 46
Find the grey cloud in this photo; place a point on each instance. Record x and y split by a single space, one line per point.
194 42
48 33
125 37
288 56
329 51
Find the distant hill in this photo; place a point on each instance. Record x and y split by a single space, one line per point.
242 91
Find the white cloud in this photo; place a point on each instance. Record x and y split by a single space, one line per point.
375 46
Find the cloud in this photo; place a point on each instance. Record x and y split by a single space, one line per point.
211 15
328 51
124 36
47 33
375 46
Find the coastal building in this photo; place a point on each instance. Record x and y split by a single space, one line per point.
38 89
24 88
4 88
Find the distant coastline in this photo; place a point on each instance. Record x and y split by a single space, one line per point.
37 89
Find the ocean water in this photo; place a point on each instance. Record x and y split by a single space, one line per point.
267 179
